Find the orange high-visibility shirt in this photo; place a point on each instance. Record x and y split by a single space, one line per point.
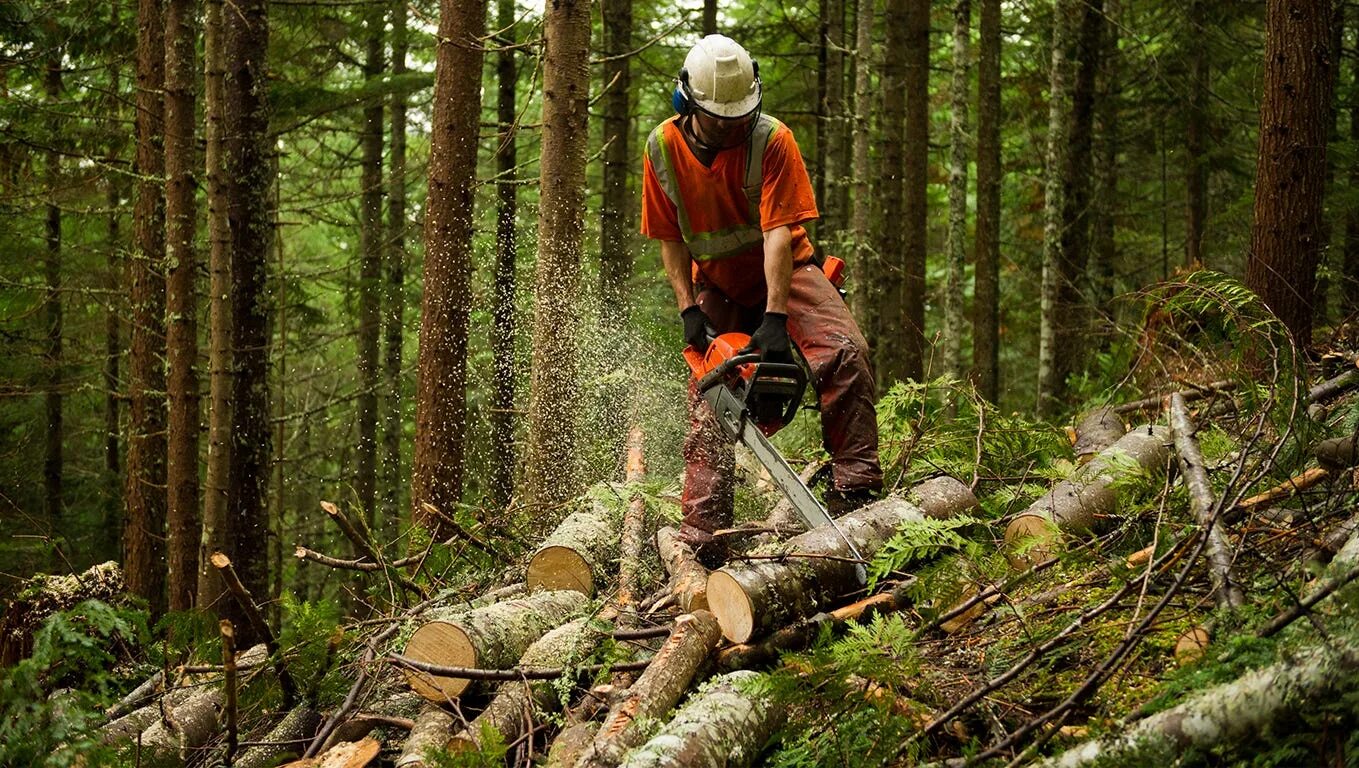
715 201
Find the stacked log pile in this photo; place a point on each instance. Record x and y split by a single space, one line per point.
577 666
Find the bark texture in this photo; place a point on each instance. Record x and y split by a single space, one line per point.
441 396
656 690
688 578
506 255
394 298
248 176
288 738
519 705
1226 588
885 288
213 537
53 502
1074 505
757 596
1096 430
490 637
431 732
552 472
1290 176
615 257
956 246
986 287
1195 134
144 527
915 175
725 725
181 305
867 262
370 269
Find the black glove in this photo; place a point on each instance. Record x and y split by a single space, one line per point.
772 339
697 328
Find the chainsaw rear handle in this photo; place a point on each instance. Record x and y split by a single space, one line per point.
725 368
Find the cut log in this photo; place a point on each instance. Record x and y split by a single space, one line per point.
942 497
1072 506
578 554
1334 386
634 525
723 726
1096 430
350 754
516 705
137 697
431 732
1231 713
128 726
782 517
570 745
490 637
688 578
656 690
1226 588
1156 401
801 634
756 597
284 741
399 707
44 595
1337 453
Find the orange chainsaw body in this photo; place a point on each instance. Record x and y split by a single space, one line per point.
770 392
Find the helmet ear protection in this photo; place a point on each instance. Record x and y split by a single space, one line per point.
683 101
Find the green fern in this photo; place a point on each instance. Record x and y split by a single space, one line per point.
917 540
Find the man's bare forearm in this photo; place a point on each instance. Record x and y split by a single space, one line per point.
778 268
675 259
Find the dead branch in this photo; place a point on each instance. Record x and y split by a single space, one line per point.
233 582
1226 587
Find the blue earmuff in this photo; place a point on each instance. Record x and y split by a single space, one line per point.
680 98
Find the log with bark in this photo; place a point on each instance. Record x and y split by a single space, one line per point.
44 595
754 597
688 578
724 725
1231 713
1096 430
579 554
349 754
656 690
430 732
1073 505
490 637
286 740
518 704
1226 588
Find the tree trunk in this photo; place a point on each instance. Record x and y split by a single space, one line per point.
868 265
1230 713
181 304
394 299
490 637
518 705
110 546
430 734
709 17
1196 164
144 531
1291 168
725 725
1050 364
553 475
248 179
887 336
370 269
441 388
916 137
986 288
754 597
53 503
1101 266
1074 505
954 309
615 257
214 523
830 137
1350 277
665 680
503 307
1226 587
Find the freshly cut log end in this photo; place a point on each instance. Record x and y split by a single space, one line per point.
1031 539
576 554
556 567
1191 645
731 605
490 637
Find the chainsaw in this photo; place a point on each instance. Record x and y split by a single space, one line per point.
752 400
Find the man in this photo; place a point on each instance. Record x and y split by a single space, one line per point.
726 192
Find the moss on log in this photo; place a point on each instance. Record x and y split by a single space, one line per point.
756 597
518 704
44 595
287 739
577 555
725 725
1230 713
656 690
1073 505
490 637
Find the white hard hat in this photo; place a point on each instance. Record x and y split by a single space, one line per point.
721 77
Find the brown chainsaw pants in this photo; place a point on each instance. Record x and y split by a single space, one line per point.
824 330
